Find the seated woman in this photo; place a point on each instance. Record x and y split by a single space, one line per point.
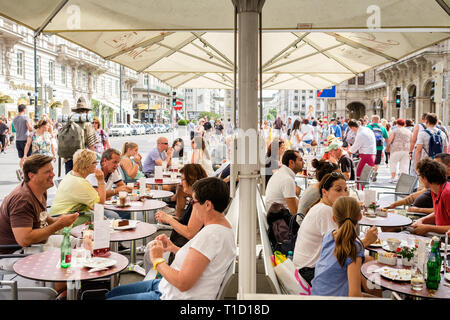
338 271
75 193
201 156
274 153
201 264
318 221
187 225
312 194
131 162
178 148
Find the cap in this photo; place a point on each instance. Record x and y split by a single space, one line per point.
334 145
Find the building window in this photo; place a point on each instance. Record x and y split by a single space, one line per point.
51 71
63 75
94 82
352 81
146 80
116 88
20 57
362 79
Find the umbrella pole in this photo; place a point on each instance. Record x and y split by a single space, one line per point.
248 16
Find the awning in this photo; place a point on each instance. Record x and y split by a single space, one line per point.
190 44
144 106
5 98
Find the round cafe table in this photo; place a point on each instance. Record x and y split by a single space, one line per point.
392 220
160 194
404 287
164 181
45 266
142 231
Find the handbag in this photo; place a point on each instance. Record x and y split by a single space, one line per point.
290 279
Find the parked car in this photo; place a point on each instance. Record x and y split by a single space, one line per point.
137 129
120 129
141 128
168 128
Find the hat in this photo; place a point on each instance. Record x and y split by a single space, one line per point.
330 138
81 105
334 145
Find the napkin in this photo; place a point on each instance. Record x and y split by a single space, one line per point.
101 237
158 172
369 196
142 185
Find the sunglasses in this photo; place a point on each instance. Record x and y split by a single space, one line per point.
335 175
166 143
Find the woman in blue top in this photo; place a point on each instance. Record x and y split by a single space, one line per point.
131 162
338 271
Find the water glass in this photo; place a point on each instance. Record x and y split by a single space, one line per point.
80 254
417 278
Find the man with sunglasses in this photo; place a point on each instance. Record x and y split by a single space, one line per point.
161 153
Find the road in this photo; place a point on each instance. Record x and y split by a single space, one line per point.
9 162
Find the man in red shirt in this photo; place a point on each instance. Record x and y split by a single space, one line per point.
434 176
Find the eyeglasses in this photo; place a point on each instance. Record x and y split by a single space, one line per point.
166 143
335 175
195 201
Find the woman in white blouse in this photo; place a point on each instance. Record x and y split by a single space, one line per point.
201 156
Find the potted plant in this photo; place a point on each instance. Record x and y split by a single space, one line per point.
407 254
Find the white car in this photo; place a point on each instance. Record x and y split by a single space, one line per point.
120 129
140 129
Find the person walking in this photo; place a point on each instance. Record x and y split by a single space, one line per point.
23 127
3 134
380 136
399 142
40 141
364 144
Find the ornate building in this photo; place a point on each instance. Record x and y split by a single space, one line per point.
374 92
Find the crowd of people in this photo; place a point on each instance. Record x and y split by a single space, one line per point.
201 244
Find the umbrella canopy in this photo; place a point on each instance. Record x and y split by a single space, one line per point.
190 44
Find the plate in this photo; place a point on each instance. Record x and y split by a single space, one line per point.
377 245
123 206
396 274
132 224
98 262
385 246
110 202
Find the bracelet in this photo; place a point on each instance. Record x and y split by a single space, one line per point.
158 261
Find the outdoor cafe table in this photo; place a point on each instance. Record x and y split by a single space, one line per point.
164 181
404 287
45 266
142 230
397 235
391 220
160 194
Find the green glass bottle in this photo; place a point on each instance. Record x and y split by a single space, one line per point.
434 266
66 249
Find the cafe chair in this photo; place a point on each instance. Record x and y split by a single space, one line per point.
364 178
405 186
10 291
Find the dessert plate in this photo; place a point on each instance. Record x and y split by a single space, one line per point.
132 224
396 274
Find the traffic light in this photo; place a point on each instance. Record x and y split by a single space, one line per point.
432 90
167 101
398 98
174 102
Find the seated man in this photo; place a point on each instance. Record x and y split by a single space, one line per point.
433 176
161 153
109 164
281 187
23 217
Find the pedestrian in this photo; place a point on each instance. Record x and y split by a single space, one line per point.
364 144
102 137
3 134
40 141
23 127
380 136
399 142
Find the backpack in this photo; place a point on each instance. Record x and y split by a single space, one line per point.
435 144
378 135
283 228
70 139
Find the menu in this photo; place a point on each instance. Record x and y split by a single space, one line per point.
101 231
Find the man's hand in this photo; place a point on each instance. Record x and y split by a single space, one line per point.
67 220
420 229
169 152
123 188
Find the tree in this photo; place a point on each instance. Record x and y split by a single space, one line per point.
273 112
210 115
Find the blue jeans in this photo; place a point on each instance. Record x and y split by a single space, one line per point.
143 290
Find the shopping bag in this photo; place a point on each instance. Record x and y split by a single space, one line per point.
290 279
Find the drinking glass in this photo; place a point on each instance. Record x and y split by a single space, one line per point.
417 279
80 253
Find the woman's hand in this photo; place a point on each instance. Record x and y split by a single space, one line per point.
156 250
99 175
162 217
166 242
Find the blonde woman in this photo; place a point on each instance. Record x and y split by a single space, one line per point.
75 193
131 162
338 271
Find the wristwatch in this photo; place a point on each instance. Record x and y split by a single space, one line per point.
158 261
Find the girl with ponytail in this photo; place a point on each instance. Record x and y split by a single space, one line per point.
338 271
131 162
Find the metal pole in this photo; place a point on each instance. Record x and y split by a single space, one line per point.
36 118
148 98
120 90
